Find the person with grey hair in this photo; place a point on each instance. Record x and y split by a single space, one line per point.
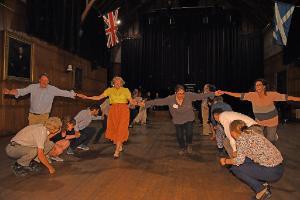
41 98
118 117
181 109
31 142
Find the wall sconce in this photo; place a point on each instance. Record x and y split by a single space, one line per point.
69 68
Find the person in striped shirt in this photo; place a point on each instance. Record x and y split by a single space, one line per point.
263 106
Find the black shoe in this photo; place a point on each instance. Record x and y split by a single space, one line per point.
19 170
33 167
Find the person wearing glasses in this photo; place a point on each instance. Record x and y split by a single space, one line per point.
181 109
263 106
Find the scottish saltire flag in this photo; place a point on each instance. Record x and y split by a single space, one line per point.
282 21
111 28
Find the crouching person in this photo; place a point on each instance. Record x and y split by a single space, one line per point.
86 133
63 139
31 142
258 161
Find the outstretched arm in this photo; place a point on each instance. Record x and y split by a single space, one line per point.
237 95
10 92
18 92
96 98
156 102
291 98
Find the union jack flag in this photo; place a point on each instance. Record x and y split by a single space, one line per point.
111 28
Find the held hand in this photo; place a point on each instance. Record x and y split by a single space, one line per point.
142 104
81 96
134 102
5 91
219 92
222 161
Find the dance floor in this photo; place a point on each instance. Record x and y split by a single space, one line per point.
149 168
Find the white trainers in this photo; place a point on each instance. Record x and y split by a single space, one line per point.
83 147
57 159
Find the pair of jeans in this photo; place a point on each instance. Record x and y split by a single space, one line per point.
184 134
133 113
86 135
256 175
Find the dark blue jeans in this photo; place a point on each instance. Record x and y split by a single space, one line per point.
184 133
256 175
86 135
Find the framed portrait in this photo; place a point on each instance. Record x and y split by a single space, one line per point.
17 58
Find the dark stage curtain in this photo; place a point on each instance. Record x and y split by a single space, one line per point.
58 22
192 50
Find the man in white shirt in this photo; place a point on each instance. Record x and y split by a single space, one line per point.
225 118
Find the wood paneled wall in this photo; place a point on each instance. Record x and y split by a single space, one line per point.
52 60
13 15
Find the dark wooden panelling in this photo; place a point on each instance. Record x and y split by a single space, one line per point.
52 60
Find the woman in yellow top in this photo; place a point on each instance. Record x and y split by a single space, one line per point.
118 117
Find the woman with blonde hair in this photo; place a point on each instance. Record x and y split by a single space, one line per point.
118 117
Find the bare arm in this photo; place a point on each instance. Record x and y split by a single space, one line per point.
291 98
44 161
237 95
96 98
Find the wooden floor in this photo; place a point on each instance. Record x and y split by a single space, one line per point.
149 168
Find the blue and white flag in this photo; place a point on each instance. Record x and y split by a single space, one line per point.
282 21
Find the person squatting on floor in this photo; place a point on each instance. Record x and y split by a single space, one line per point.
258 161
181 109
83 120
63 139
31 142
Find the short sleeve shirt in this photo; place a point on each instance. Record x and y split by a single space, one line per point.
120 95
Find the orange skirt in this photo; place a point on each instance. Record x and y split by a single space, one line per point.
117 123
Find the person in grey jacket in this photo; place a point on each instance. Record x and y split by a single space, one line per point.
181 109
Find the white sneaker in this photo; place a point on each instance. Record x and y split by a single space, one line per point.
83 147
57 159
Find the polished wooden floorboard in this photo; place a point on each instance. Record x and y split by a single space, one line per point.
149 168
